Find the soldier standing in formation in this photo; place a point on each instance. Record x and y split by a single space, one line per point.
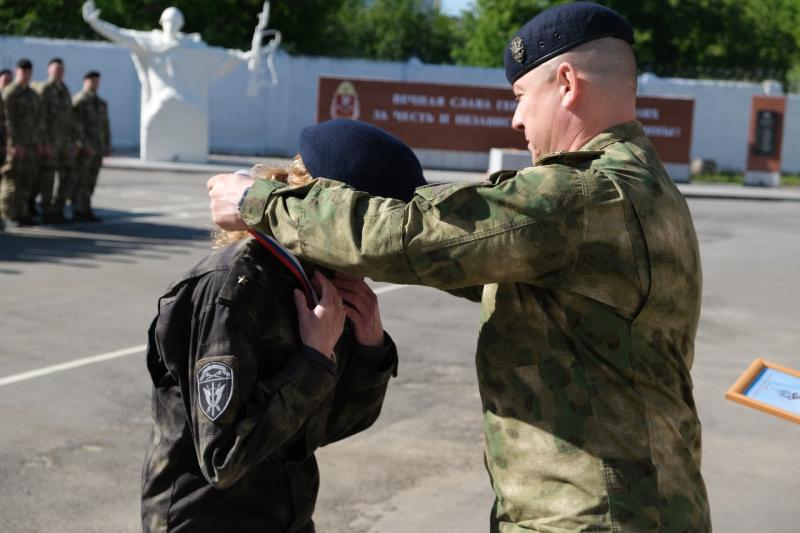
59 137
588 269
5 79
94 141
23 112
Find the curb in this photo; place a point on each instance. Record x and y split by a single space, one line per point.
220 164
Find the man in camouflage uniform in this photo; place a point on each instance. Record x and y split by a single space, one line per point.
5 79
588 269
59 136
94 139
23 131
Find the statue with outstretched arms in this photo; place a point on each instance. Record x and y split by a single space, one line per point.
175 70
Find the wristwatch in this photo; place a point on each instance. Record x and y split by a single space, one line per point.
242 172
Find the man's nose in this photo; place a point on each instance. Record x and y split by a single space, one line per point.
516 121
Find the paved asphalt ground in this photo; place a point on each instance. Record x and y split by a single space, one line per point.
72 440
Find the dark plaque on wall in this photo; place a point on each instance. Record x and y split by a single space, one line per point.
766 132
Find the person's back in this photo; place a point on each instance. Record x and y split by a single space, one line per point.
252 467
244 389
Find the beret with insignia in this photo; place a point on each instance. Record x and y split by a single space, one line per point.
558 29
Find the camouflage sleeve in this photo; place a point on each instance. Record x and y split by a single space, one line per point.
449 236
77 121
238 419
46 106
106 148
473 294
14 117
43 133
2 127
360 392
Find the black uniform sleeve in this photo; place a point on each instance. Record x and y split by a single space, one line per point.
238 420
361 390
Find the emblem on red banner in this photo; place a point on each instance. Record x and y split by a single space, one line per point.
344 103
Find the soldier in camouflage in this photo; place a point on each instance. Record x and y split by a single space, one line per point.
23 145
245 386
59 136
94 141
588 320
5 79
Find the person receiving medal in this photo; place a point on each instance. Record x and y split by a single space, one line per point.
254 366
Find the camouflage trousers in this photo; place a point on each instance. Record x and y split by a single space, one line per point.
18 174
87 169
55 197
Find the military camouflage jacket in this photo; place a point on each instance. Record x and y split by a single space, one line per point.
591 284
2 129
23 116
91 122
240 404
57 113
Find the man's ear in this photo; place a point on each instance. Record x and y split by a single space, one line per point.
568 84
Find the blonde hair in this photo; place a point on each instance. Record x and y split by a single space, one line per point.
294 175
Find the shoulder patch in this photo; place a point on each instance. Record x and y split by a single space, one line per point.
569 158
215 385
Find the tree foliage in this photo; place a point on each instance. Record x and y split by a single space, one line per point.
489 25
693 38
381 29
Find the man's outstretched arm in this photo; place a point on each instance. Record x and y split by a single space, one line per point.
449 236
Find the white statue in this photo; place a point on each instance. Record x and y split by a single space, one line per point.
175 70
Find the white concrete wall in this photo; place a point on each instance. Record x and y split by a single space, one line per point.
722 117
271 122
119 85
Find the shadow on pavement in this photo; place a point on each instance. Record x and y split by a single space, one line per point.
120 238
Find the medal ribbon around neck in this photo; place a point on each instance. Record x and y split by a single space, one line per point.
285 257
288 260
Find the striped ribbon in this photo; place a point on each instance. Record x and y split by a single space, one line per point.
288 260
283 255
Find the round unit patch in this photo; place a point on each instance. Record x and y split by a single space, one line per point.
214 389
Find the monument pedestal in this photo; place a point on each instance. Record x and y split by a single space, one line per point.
765 140
175 131
762 178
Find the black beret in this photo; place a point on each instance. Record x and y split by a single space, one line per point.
55 60
24 63
91 74
5 71
558 29
363 156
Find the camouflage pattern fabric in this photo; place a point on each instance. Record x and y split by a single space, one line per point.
60 136
2 131
240 405
2 156
23 129
91 118
591 281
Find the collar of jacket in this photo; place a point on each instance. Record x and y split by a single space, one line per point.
621 132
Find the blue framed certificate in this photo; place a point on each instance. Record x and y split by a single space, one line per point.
769 387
